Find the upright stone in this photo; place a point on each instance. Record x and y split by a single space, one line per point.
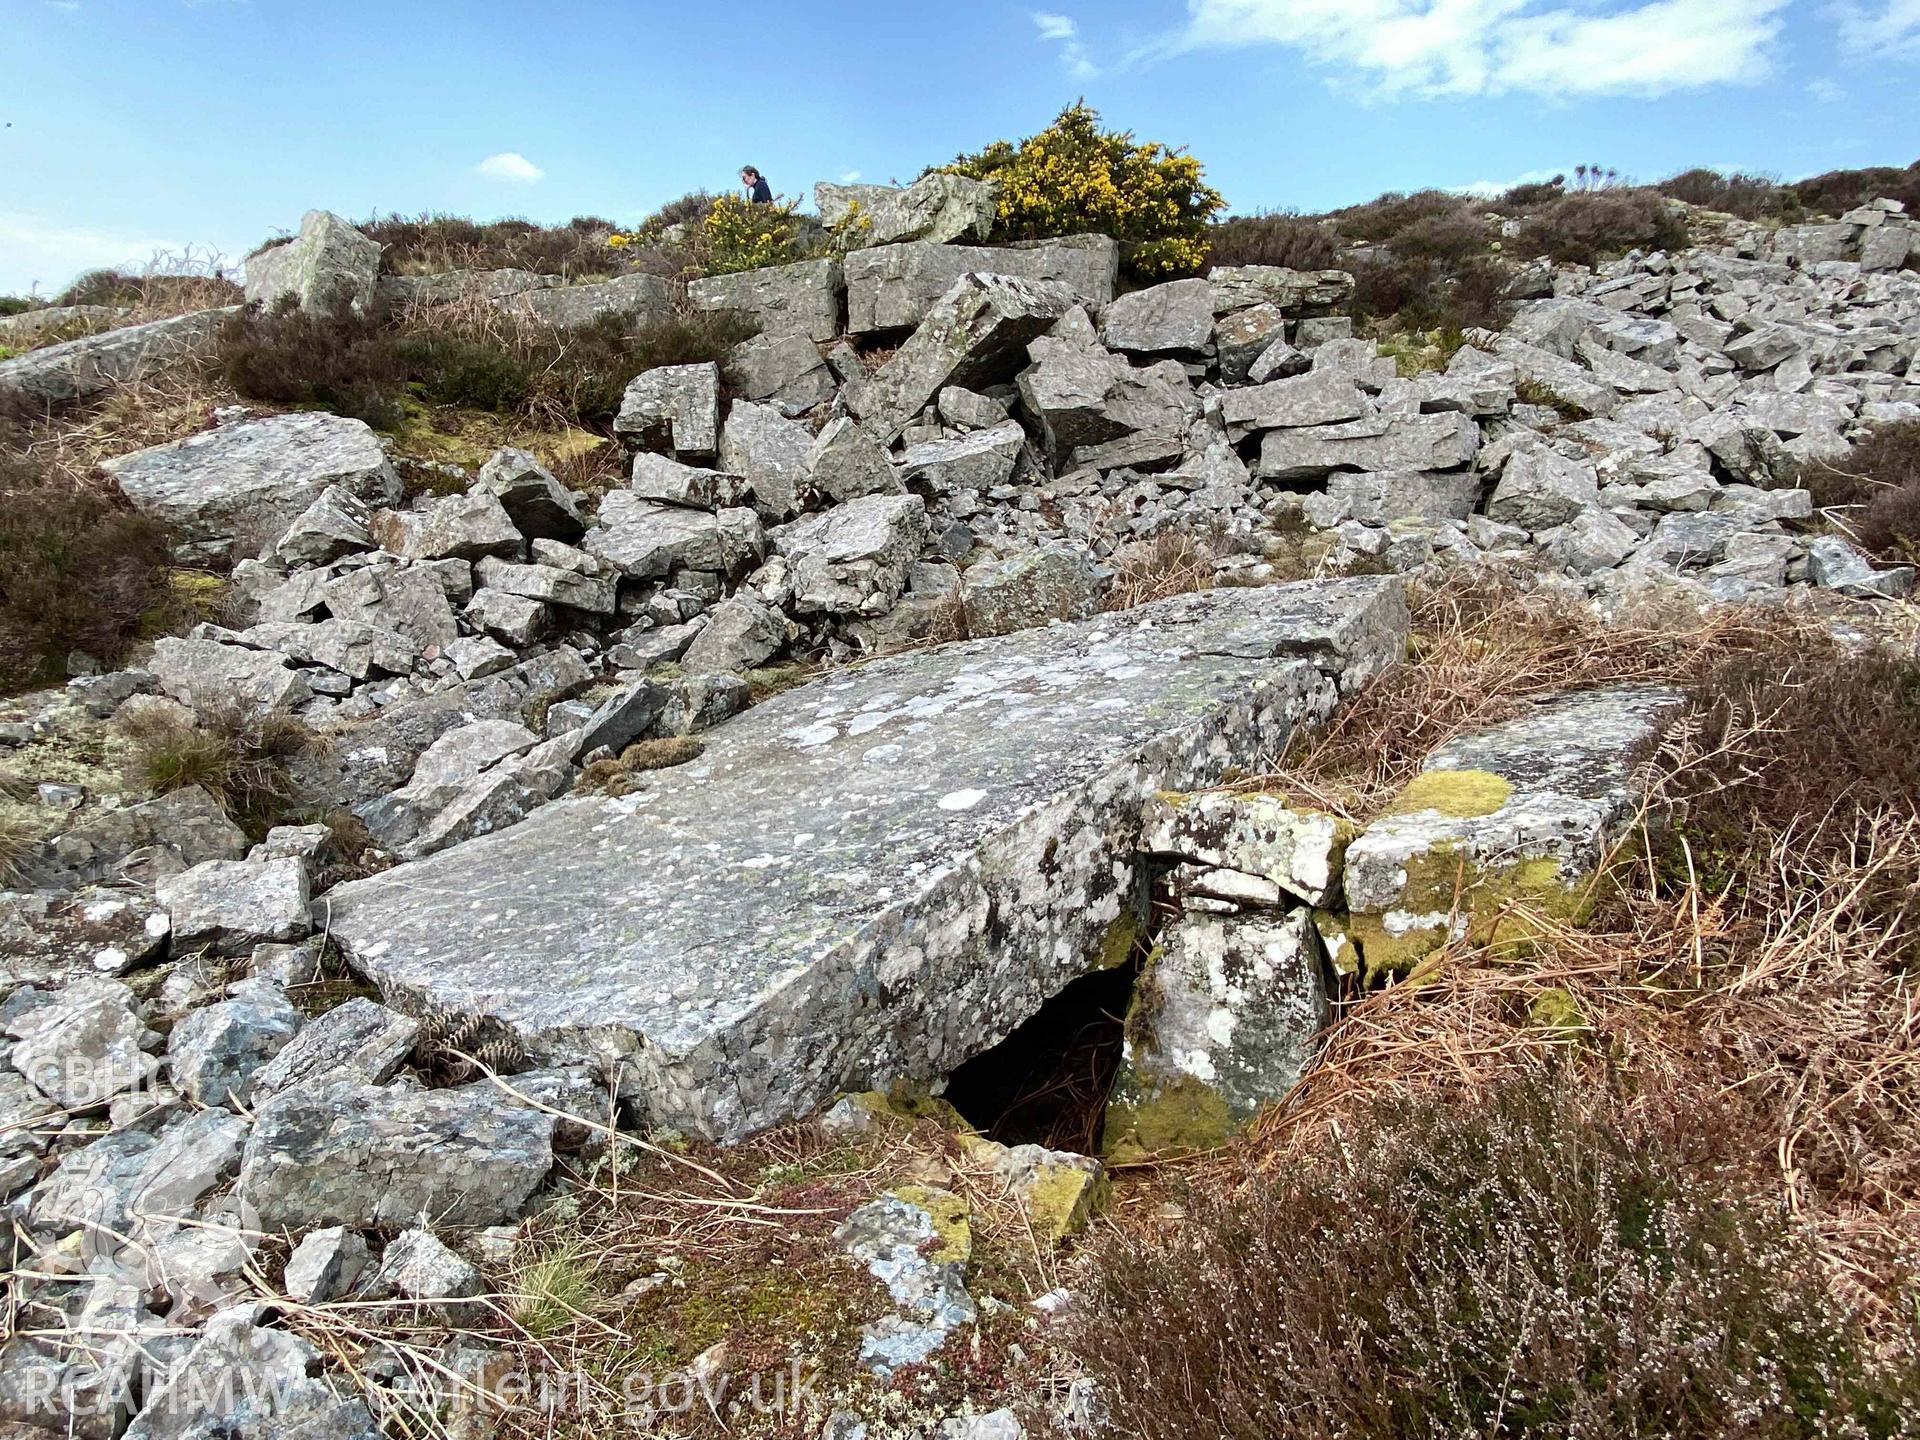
937 207
327 267
798 299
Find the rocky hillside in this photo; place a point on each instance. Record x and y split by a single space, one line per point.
995 741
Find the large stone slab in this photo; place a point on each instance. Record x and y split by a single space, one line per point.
328 266
938 207
870 878
798 299
57 375
893 287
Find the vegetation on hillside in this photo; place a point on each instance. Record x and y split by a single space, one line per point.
1874 492
1075 177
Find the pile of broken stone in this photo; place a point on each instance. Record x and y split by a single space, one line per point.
1635 430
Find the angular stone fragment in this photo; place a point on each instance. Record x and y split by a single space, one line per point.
1521 812
254 476
976 334
358 1042
235 905
1410 442
673 407
1083 396
646 298
649 541
1240 287
798 299
177 830
537 504
406 598
1541 488
655 477
590 586
335 524
358 1155
1229 1010
979 461
743 633
206 673
1035 587
997 752
214 1054
1833 564
1325 397
771 453
351 647
846 462
456 527
328 266
324 1265
623 717
1298 850
785 371
1174 318
57 375
1381 499
966 410
938 207
853 559
82 1044
896 287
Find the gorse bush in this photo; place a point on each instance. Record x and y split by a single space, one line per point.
1074 177
1514 1266
738 235
79 570
1283 239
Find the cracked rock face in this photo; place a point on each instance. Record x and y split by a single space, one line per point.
876 876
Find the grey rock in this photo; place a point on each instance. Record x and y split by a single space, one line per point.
742 634
978 461
974 335
444 771
1541 488
501 796
58 375
785 371
771 453
647 298
1764 347
357 1155
897 287
1382 498
324 1265
1241 287
407 598
592 588
234 905
1321 398
661 646
418 1266
357 1042
81 1045
455 527
1591 541
256 476
798 299
967 410
894 769
204 674
351 647
1379 443
938 207
1173 318
1243 337
160 836
649 541
335 524
214 1054
908 1242
623 717
518 620
1278 361
845 462
1299 851
474 656
1833 564
1085 397
327 267
673 407
537 504
655 477
1053 582
853 559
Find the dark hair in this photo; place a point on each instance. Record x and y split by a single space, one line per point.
753 170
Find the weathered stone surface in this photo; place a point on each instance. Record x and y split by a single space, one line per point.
1410 442
656 477
917 1242
939 208
673 407
1382 498
1521 811
214 1054
351 647
21 330
798 299
592 589
967 410
1236 1003
742 633
975 334
254 475
345 1154
455 527
537 504
1174 318
846 463
57 375
1835 565
203 673
1325 397
1240 287
324 1265
771 453
650 541
1300 851
80 1045
335 524
690 935
233 905
419 1266
853 559
358 1042
328 266
785 371
169 834
53 935
978 461
896 287
1036 587
1541 488
569 307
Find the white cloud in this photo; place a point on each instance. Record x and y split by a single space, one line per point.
1494 189
511 167
1826 91
35 252
1487 47
848 177
1063 31
1873 29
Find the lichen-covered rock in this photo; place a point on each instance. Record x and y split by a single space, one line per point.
938 208
1541 488
1324 397
328 266
156 837
255 476
771 453
742 633
978 461
82 1044
455 527
785 371
846 463
1376 443
335 524
1036 587
1059 1191
896 287
359 1155
537 504
205 673
324 1265
359 1042
57 375
213 1054
1174 318
1240 287
649 540
233 905
798 299
1523 811
853 559
673 407
1298 849
698 938
1225 1019
645 298
917 1241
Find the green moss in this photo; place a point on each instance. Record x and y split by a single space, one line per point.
469 438
1165 1116
1061 1199
910 1103
951 1222
1336 938
1116 946
1556 1009
1466 794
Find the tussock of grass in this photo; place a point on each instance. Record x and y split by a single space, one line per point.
19 837
240 755
551 1291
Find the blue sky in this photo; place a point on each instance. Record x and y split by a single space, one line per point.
130 126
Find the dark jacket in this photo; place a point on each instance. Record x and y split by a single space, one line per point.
762 192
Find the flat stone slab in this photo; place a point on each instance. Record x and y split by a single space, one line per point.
870 878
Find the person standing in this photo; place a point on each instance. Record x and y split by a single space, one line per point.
758 191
